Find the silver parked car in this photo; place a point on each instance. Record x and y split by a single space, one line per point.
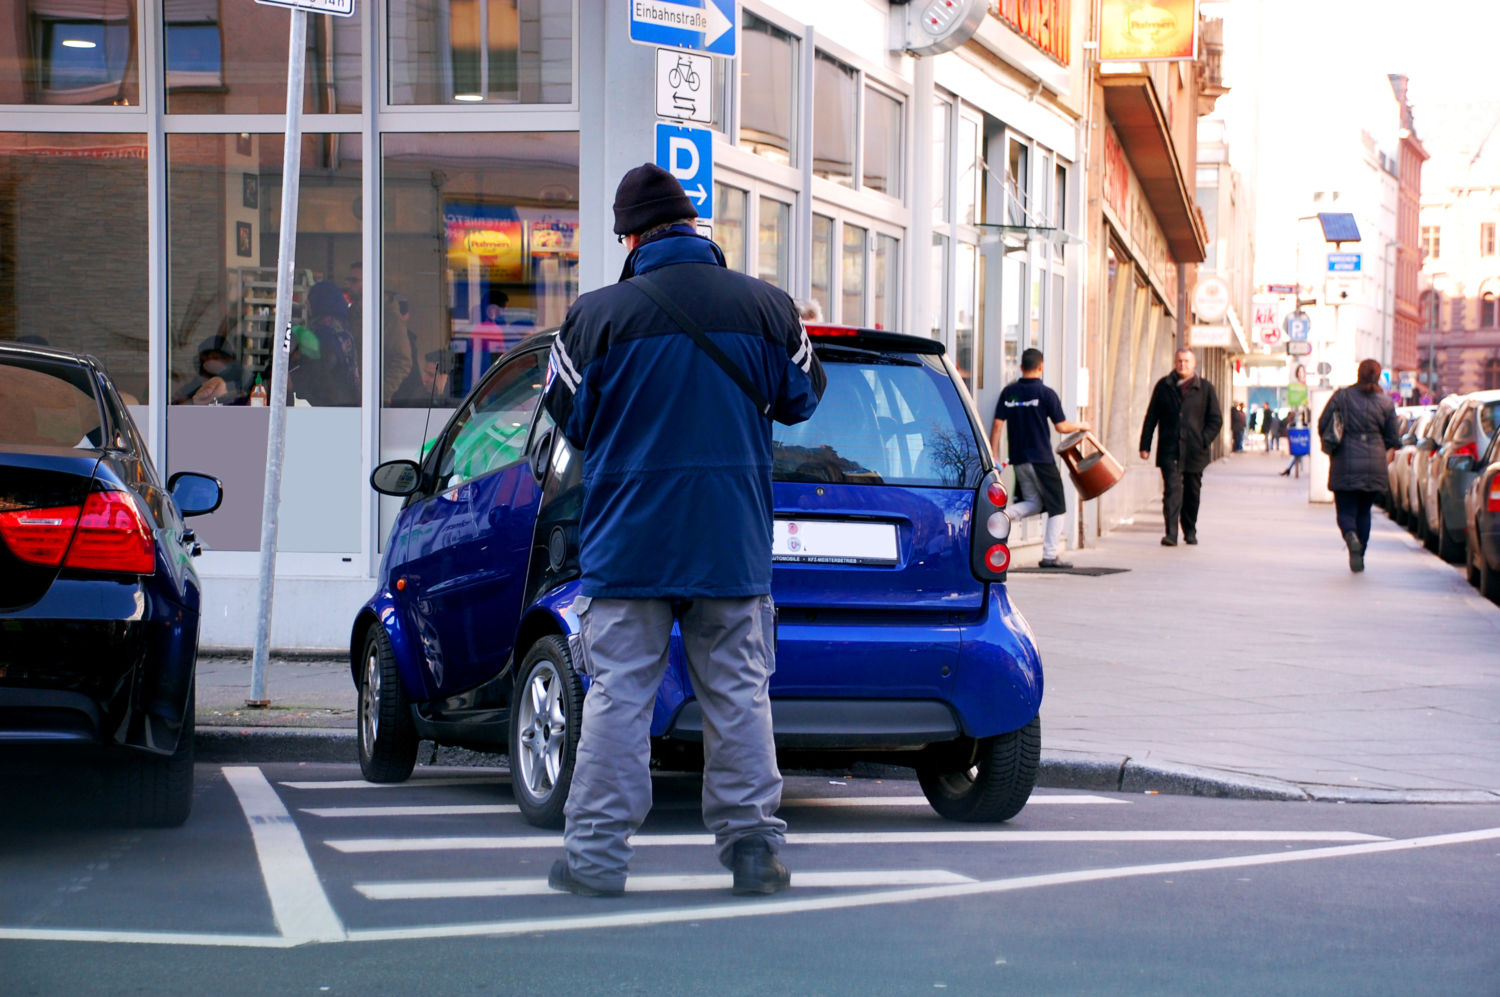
1453 467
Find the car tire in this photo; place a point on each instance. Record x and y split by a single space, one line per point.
1489 580
545 715
998 783
1446 548
155 790
387 737
1471 561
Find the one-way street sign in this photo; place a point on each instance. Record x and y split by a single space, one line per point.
701 25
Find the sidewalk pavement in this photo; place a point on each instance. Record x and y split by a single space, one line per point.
1253 665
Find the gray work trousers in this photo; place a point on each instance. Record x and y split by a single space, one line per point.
730 657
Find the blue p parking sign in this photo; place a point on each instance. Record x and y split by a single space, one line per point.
688 154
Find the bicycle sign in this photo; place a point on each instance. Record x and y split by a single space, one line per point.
683 84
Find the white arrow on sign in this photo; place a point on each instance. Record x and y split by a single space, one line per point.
666 14
696 194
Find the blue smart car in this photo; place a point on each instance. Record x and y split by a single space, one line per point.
896 641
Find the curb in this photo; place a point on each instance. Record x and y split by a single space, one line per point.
1058 769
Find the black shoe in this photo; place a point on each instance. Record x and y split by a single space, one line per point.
1286 472
1052 562
756 870
1169 541
561 878
1356 551
1191 539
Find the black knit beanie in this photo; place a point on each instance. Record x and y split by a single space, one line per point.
649 196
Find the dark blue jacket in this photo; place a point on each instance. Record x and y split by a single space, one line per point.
676 459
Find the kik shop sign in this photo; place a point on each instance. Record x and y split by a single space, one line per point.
1134 221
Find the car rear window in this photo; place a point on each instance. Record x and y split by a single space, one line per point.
885 419
1489 417
47 405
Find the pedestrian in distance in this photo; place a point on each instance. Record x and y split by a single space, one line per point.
1237 426
676 524
1266 415
1185 416
1358 430
1025 407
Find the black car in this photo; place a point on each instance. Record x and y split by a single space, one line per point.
99 601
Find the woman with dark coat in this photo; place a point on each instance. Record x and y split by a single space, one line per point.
1357 470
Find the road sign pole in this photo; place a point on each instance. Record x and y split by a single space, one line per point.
286 265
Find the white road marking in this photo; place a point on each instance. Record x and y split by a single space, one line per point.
300 906
762 908
476 780
365 846
467 888
921 801
454 810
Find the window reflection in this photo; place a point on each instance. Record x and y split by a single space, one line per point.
887 289
69 52
768 74
835 91
481 51
480 250
775 240
882 159
822 262
68 277
729 224
853 274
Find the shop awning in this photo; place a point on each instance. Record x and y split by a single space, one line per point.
1140 121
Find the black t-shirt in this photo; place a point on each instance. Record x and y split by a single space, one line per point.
1028 408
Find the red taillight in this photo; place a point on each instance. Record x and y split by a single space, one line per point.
997 558
1409 455
1467 450
1493 504
996 494
112 536
39 536
829 331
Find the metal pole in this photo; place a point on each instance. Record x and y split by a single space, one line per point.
286 265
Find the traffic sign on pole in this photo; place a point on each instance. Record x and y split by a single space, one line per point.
684 82
701 25
339 8
1344 263
688 154
1297 325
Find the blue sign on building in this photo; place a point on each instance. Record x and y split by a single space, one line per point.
701 25
688 154
1344 262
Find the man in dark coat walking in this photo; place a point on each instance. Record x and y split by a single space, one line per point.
676 526
1186 416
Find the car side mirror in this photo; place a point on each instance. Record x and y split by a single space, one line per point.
195 494
1461 464
396 477
1408 440
540 454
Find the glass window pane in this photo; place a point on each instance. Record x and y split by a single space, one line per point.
230 58
969 173
1012 311
481 51
835 92
71 53
768 89
965 259
1017 184
852 272
491 433
882 159
55 191
223 209
775 242
729 224
941 168
887 304
822 263
938 288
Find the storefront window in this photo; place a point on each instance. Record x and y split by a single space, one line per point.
1013 310
822 263
481 51
729 224
882 159
937 294
223 214
887 303
1017 185
969 171
775 242
230 58
964 348
941 123
62 198
835 93
768 89
853 274
62 52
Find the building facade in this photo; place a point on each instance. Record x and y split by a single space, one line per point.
458 161
1460 302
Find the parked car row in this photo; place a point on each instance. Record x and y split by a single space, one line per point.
1444 485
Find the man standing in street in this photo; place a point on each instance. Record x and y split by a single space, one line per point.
1185 408
1237 426
668 381
1027 405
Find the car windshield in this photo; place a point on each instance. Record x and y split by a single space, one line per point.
47 404
885 419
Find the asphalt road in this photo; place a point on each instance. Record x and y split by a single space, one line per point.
285 880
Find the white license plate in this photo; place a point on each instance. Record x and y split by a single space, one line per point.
820 541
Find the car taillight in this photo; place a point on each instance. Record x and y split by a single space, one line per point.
39 536
107 533
1467 450
1409 455
1493 504
989 556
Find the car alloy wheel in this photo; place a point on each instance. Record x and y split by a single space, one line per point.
546 712
387 737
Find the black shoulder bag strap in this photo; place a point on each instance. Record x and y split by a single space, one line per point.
698 336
